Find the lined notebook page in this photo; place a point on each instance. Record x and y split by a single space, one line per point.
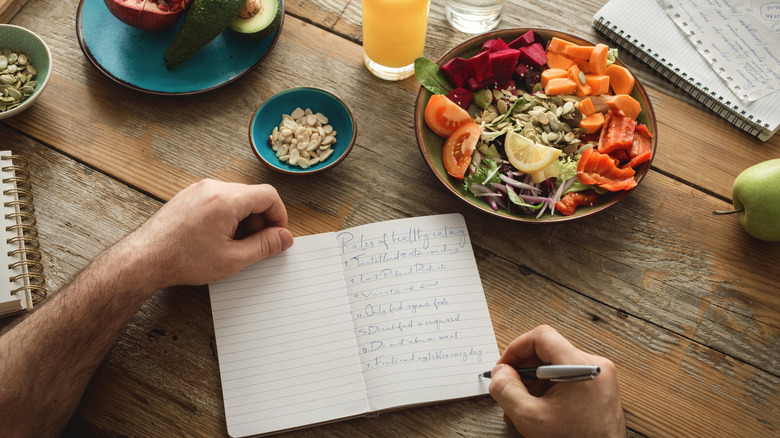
287 353
660 43
421 320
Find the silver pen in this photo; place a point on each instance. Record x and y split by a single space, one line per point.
556 373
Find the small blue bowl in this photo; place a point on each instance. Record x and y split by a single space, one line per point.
269 115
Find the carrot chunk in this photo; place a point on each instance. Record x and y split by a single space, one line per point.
575 51
599 84
552 73
586 107
592 123
560 86
598 59
621 80
583 64
557 45
574 73
555 60
625 104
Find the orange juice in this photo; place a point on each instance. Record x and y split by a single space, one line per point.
394 33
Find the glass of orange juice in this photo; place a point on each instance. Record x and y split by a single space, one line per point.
393 36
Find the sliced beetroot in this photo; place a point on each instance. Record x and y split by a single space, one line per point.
521 69
473 85
533 55
508 85
495 45
503 63
457 71
526 39
479 67
531 78
462 97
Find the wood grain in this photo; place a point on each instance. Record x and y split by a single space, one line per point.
9 8
684 302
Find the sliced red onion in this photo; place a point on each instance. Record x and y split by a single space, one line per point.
518 184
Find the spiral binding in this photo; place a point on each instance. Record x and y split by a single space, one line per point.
731 111
25 241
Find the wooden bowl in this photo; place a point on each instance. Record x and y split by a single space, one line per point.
431 144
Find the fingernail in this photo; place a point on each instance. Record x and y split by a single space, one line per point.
287 238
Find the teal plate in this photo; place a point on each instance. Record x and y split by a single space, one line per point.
134 57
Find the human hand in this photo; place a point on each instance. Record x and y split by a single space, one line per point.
207 232
543 409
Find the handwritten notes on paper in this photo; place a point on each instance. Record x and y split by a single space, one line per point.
418 309
739 38
370 318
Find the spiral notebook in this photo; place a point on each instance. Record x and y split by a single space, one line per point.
644 30
20 260
350 323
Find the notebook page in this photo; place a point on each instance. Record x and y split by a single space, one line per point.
285 341
421 320
671 47
20 300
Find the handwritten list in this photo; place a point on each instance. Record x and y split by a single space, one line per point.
342 324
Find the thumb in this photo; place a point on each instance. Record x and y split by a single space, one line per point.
510 393
266 243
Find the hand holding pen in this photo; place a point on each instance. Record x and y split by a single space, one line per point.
538 407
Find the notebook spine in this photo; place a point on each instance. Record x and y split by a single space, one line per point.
26 252
726 109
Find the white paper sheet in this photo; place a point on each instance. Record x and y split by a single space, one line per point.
736 38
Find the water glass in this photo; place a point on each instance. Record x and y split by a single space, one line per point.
474 16
393 36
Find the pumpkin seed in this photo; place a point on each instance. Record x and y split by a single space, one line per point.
16 74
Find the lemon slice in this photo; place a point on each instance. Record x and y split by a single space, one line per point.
528 156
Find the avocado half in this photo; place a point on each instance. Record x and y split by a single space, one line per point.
262 24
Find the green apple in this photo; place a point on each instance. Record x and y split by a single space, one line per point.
756 198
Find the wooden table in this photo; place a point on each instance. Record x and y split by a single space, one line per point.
685 303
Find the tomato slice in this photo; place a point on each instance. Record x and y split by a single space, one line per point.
459 147
599 169
444 116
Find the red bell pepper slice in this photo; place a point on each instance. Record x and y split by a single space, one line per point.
617 133
570 201
600 170
640 150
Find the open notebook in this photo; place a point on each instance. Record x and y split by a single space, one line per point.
359 321
643 29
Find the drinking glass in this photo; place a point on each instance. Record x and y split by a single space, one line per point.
473 16
393 36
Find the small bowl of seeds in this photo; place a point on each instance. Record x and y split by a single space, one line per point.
301 131
25 68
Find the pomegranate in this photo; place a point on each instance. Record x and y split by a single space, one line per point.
149 15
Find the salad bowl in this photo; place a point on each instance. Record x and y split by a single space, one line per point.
431 144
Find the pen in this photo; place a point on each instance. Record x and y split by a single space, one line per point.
556 373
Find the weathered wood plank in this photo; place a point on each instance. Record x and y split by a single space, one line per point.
9 8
